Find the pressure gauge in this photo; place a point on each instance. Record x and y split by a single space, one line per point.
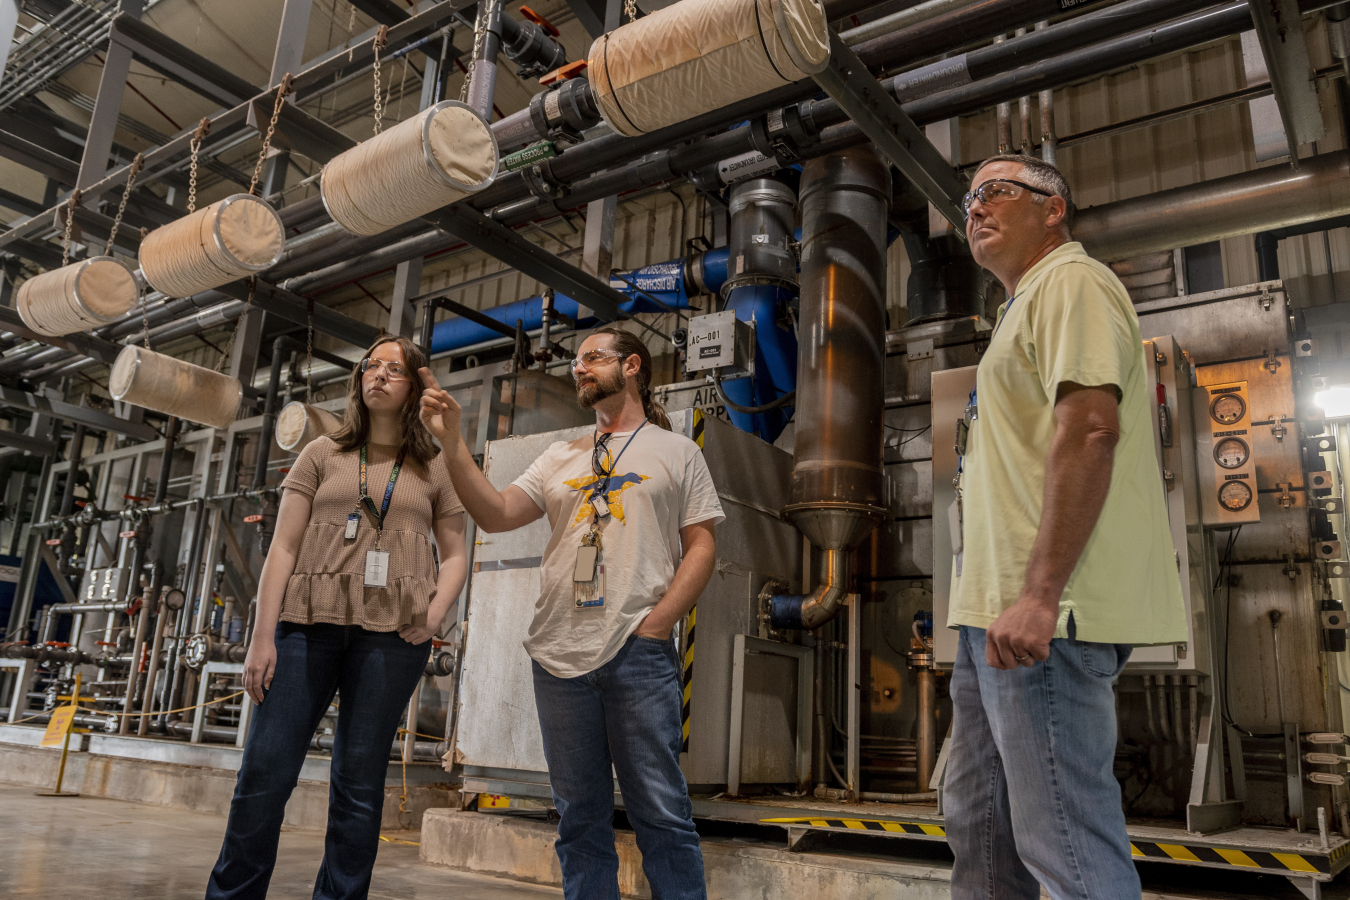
1235 496
1227 409
1231 453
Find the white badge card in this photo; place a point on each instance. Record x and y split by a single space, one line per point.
587 555
601 506
377 568
591 596
353 522
954 514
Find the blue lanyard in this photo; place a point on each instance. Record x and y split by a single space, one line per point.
614 465
388 491
972 403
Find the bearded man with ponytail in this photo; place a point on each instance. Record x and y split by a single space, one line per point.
632 509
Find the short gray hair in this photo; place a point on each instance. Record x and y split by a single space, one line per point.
1039 173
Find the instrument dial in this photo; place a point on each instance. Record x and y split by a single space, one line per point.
1227 409
1235 496
1231 453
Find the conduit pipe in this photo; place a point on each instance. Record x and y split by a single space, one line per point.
1267 198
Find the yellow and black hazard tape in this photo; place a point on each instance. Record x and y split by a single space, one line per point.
1226 856
1143 850
880 825
688 677
696 435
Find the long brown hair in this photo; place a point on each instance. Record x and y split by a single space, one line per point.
417 445
630 344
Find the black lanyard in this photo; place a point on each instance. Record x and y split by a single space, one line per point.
388 491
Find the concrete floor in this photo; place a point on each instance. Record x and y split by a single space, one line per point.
141 851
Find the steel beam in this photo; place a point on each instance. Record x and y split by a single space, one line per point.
1279 26
290 53
103 125
874 110
59 409
294 308
39 159
20 441
187 67
497 240
80 342
386 12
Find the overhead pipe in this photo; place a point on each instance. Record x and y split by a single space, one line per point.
837 490
1267 198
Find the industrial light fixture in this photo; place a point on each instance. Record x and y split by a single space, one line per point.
1334 401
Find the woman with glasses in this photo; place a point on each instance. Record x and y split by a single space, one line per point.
349 599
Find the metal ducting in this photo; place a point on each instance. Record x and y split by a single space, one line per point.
838 492
1262 199
763 213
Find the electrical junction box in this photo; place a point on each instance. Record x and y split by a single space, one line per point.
720 341
1224 455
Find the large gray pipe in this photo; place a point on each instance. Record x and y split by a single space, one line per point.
837 492
1258 200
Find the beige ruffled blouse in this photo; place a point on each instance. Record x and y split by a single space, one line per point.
328 582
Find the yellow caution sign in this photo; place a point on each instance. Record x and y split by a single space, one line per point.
59 726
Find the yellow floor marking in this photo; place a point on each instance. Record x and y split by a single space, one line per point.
1237 858
853 823
1176 851
893 826
934 830
1135 851
1295 862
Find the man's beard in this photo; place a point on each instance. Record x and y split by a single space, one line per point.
602 389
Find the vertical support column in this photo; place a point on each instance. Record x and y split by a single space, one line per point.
854 687
407 285
244 353
103 124
290 52
597 253
483 83
946 137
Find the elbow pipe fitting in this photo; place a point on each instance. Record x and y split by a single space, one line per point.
807 612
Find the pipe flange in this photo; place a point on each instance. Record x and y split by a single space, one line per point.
920 659
540 182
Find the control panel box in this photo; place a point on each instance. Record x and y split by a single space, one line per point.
1224 455
104 585
720 341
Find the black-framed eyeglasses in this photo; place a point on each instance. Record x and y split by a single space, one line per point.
394 371
997 190
598 455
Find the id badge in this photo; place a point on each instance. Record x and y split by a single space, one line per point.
353 522
587 600
587 556
377 568
601 506
954 513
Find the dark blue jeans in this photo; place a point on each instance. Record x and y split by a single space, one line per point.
622 718
375 673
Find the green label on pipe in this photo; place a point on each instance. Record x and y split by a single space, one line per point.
529 156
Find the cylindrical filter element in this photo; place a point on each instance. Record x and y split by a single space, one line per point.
299 423
699 55
441 155
240 235
763 218
77 297
838 486
171 386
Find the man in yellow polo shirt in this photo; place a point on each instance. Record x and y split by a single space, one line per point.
1065 559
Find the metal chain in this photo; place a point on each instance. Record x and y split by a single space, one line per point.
381 39
239 324
145 313
70 226
351 24
282 90
479 35
630 10
137 163
203 129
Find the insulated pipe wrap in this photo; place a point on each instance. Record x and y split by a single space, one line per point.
77 297
240 235
699 55
437 157
145 378
299 423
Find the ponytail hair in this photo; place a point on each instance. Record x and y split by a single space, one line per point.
630 344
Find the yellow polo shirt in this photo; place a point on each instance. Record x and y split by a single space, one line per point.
1071 320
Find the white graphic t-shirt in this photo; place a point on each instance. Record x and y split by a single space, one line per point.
660 484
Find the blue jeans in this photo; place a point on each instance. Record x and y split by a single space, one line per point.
1030 796
375 673
624 715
